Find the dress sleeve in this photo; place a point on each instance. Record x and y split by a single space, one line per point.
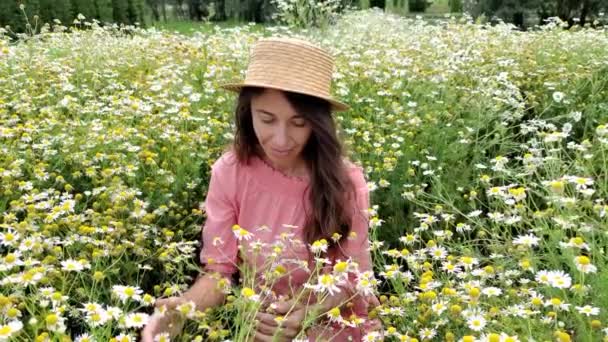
220 247
356 246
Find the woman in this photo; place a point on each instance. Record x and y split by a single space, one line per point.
280 193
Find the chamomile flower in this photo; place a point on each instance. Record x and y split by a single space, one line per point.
97 318
9 239
136 320
583 264
558 279
187 309
373 336
588 310
10 261
125 293
72 265
319 246
124 338
55 322
427 333
84 338
528 240
240 233
575 242
334 315
249 294
162 337
439 307
438 252
7 331
408 239
491 291
476 322
326 283
366 283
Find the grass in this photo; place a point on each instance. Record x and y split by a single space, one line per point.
439 7
189 27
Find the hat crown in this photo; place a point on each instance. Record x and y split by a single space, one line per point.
291 64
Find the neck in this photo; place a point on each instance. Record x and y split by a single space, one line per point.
298 169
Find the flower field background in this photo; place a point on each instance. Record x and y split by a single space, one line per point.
486 151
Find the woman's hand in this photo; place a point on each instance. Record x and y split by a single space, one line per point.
170 322
286 323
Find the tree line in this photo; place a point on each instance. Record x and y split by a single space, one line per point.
17 14
13 13
574 12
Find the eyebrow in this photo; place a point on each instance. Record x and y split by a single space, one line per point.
297 116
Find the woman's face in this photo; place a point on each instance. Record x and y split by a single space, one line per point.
281 131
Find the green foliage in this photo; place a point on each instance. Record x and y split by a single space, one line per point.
135 11
56 9
38 12
10 15
397 6
305 14
515 11
104 10
419 5
456 6
84 7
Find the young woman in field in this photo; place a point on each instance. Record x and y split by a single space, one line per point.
284 191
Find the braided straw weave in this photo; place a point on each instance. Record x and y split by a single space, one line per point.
292 65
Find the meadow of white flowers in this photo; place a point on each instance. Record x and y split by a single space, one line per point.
485 148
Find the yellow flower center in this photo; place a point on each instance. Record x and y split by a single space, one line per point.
51 319
247 292
10 258
341 266
583 260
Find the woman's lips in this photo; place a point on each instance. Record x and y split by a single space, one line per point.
281 153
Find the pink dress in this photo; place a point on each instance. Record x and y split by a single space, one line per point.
271 207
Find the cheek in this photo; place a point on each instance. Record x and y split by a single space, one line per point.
260 132
303 136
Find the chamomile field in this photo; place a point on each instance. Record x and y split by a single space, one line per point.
485 150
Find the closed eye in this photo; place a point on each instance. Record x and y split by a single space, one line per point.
299 123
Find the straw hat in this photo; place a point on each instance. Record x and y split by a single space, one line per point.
290 64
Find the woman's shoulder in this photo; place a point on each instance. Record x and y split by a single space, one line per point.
227 167
228 159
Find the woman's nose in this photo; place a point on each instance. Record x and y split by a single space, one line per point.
281 137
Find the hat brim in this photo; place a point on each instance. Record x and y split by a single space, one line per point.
335 104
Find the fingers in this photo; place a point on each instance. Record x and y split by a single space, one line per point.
282 335
286 306
267 319
151 329
170 323
268 326
373 301
261 337
294 320
170 303
266 329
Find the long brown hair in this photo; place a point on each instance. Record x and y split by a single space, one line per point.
330 186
